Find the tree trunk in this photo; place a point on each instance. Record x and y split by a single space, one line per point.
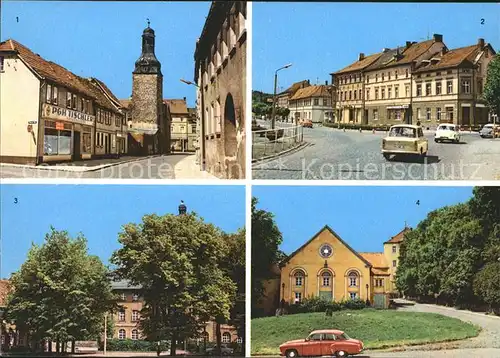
73 346
50 346
58 347
173 344
218 336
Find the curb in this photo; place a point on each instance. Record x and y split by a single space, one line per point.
288 151
461 311
79 169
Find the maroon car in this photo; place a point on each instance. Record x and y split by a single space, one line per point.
328 342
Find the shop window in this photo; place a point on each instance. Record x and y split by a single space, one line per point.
87 143
57 141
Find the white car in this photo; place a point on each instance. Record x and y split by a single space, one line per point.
488 131
447 132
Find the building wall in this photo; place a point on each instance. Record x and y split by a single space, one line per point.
183 130
223 82
391 256
339 264
129 305
349 95
20 95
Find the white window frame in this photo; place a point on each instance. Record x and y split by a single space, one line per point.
121 316
226 337
122 334
48 94
134 334
353 295
135 315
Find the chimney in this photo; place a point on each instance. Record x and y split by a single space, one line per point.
438 38
184 99
408 44
480 43
361 56
444 50
182 208
326 83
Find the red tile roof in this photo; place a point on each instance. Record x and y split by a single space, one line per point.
54 72
452 58
399 237
360 65
311 91
296 86
176 106
377 259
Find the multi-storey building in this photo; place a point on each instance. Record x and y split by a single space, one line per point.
449 86
312 103
283 98
49 114
220 74
388 95
349 87
183 126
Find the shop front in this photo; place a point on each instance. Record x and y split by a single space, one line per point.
400 113
67 134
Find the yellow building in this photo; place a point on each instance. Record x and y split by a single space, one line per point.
326 266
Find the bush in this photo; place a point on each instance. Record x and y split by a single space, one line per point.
131 345
317 304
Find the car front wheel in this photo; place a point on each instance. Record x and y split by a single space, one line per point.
341 354
292 353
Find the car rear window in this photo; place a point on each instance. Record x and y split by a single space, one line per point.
407 132
445 128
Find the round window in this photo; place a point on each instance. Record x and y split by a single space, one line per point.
325 251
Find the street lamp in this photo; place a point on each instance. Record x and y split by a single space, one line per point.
274 96
202 123
367 298
188 82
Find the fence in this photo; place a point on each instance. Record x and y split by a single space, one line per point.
270 142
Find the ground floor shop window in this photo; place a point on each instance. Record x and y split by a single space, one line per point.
87 143
57 141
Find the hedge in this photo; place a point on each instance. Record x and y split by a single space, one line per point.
132 345
317 304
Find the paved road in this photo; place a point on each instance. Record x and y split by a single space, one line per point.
336 155
162 167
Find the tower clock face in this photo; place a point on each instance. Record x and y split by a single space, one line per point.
325 251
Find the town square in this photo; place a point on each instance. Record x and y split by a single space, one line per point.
420 103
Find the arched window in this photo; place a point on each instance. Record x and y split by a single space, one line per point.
353 279
226 337
135 334
299 278
239 340
327 278
122 334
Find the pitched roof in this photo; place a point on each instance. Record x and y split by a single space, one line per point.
399 237
415 50
376 259
5 288
98 95
177 106
106 90
125 103
54 72
123 285
360 65
380 272
296 86
326 227
311 91
453 58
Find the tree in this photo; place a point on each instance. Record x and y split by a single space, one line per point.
487 284
266 239
176 260
61 293
236 269
492 86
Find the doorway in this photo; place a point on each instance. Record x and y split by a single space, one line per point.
77 154
107 144
230 141
379 300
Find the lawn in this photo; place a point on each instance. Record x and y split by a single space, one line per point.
376 328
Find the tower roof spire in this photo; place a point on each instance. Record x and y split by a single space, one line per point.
147 62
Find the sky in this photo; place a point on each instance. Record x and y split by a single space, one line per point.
99 211
103 39
321 38
363 216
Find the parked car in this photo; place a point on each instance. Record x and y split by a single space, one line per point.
329 342
307 123
488 130
405 139
449 132
225 350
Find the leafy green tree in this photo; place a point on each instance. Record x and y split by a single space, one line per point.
61 293
266 239
176 260
491 92
487 284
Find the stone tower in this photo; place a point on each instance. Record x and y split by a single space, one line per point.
147 95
